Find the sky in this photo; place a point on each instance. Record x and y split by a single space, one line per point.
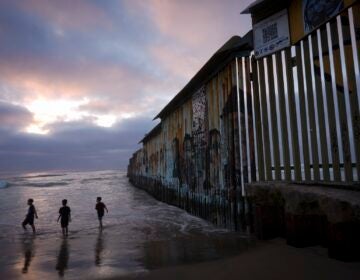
81 81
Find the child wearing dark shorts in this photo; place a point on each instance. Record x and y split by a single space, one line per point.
29 218
65 215
100 208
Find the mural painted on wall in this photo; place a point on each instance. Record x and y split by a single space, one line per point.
176 162
199 132
199 108
214 162
231 167
188 177
315 12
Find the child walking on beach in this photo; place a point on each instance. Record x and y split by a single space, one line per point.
65 215
100 207
29 218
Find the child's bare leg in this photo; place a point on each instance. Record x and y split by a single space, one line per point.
66 231
33 228
24 227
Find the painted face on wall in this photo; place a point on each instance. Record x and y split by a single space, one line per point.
318 11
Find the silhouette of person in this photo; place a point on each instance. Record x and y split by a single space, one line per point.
29 218
100 208
99 247
63 258
65 215
29 252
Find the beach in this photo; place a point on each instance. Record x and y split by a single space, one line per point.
142 237
140 233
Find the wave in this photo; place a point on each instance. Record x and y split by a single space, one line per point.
95 179
42 176
41 185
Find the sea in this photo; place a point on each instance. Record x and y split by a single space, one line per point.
140 233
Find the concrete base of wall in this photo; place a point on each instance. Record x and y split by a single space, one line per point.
308 215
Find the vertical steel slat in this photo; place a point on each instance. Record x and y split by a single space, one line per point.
354 14
303 113
320 110
265 125
250 130
283 117
246 117
274 124
341 102
311 111
241 124
351 79
259 139
330 108
292 109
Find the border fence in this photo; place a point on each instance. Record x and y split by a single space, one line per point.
292 116
304 107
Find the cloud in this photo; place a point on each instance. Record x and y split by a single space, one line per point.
68 67
14 117
81 14
189 32
72 146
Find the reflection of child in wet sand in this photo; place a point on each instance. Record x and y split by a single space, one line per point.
29 219
65 215
100 207
29 252
63 258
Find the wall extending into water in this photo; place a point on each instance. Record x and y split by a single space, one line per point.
292 116
191 158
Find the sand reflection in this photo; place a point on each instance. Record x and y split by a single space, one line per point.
99 247
28 246
63 258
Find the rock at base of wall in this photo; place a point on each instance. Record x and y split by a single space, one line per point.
309 215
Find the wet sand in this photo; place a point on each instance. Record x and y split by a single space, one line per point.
268 260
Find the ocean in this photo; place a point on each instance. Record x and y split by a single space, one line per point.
140 233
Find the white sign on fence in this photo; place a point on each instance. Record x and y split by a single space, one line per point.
271 34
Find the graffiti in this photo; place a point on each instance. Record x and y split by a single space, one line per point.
199 131
214 158
318 11
199 109
176 162
188 166
197 166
